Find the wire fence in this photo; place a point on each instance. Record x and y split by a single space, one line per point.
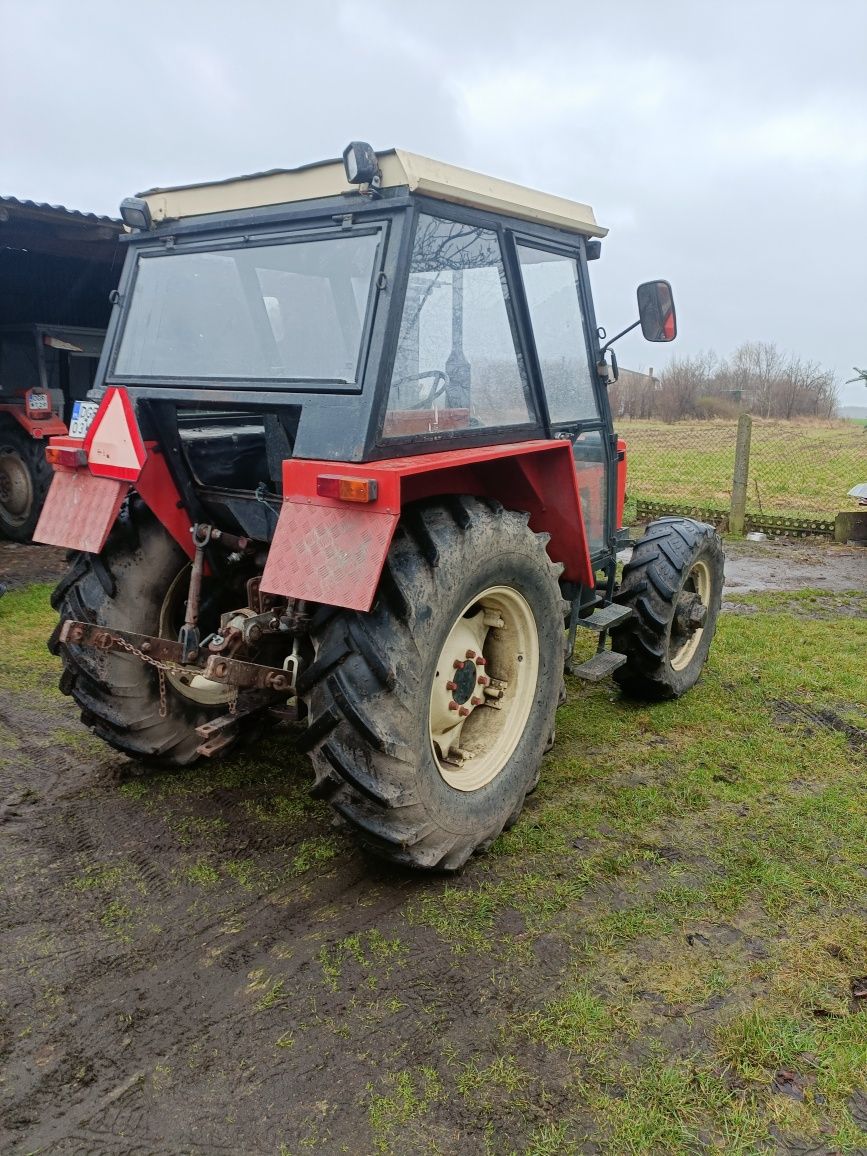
798 480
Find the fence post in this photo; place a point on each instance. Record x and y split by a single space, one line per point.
737 514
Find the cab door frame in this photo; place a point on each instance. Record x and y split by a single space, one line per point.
573 249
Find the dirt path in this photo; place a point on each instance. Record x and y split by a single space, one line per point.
200 963
764 566
22 564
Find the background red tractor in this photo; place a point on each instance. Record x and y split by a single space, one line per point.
354 458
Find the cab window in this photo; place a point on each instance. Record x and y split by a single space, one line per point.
457 364
551 289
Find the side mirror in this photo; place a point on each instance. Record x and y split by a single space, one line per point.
656 311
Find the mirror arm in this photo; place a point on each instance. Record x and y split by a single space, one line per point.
617 337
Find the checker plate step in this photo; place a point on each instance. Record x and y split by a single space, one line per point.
606 617
599 666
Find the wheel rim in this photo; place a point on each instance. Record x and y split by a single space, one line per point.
690 614
483 688
16 487
194 687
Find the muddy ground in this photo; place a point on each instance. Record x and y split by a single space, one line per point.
201 963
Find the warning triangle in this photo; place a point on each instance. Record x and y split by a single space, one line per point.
114 445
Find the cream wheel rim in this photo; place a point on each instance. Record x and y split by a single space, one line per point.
194 687
690 614
483 688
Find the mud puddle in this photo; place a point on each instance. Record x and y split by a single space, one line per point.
756 567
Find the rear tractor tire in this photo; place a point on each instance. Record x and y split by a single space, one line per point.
24 479
429 716
673 583
135 584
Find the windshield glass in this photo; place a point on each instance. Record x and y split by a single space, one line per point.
290 311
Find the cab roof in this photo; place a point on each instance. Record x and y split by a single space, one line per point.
400 169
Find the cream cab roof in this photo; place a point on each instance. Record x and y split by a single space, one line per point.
399 169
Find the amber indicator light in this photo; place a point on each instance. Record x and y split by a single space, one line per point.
61 456
346 489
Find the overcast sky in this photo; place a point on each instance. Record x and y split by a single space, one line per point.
723 143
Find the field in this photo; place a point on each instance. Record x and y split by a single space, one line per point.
797 468
667 954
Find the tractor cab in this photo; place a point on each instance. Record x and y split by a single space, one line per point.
350 455
424 308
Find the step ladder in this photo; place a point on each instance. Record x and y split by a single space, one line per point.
602 618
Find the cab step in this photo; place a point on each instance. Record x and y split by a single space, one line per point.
603 663
605 617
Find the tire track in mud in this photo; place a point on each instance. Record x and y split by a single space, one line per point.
101 983
146 1037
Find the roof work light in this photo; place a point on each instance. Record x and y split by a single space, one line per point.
360 163
136 213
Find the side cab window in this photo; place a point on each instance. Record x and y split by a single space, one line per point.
551 286
552 290
458 364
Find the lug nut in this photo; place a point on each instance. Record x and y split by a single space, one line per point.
475 701
451 686
459 664
463 711
481 661
471 654
483 680
453 705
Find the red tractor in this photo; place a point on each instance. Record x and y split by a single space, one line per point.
353 461
45 373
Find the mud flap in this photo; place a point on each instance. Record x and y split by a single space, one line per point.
79 510
328 554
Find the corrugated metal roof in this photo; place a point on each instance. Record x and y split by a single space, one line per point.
76 214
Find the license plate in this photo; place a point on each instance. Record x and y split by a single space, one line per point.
83 413
38 401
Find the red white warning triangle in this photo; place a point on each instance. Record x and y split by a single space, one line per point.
114 446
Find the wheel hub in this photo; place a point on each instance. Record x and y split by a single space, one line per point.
483 688
16 488
690 616
464 682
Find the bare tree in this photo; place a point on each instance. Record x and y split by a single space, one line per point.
685 380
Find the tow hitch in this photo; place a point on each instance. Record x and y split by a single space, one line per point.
254 687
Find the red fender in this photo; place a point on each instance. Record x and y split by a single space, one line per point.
81 508
332 551
82 503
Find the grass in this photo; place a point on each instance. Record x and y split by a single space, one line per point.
27 621
798 468
660 957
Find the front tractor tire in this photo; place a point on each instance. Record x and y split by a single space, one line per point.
429 716
24 479
135 584
673 583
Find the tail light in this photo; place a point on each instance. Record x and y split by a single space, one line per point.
72 459
346 489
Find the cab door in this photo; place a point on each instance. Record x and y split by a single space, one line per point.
552 290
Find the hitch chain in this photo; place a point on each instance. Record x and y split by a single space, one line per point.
162 669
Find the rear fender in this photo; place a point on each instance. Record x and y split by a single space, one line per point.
332 551
80 508
82 503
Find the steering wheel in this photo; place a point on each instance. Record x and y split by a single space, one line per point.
440 385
